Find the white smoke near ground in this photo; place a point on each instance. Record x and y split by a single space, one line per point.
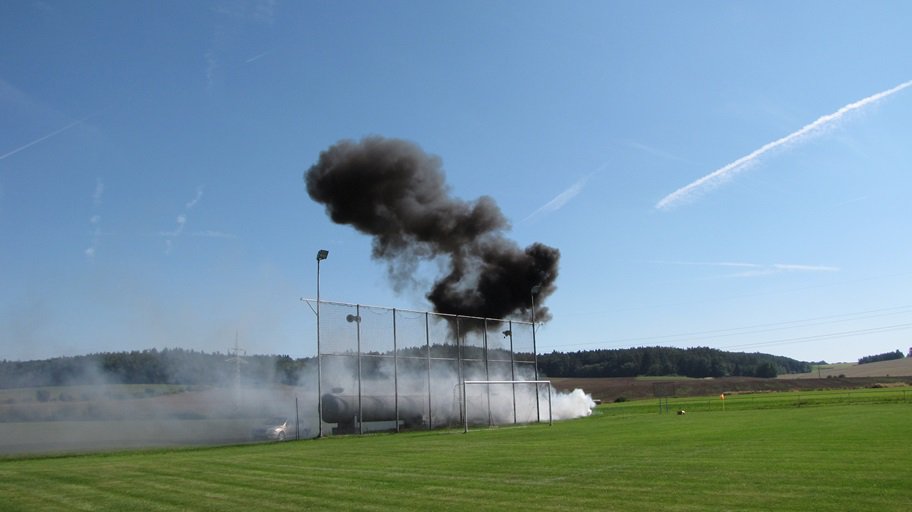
717 177
432 371
574 404
373 379
431 394
93 409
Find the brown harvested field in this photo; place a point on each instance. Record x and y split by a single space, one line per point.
895 368
609 390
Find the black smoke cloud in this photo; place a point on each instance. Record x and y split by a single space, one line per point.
394 191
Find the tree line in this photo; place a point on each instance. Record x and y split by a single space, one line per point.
886 356
190 367
698 362
167 366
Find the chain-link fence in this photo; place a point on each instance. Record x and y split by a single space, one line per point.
387 369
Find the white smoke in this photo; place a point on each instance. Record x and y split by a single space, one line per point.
575 404
92 409
96 411
494 395
718 176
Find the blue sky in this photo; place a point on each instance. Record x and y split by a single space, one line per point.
152 154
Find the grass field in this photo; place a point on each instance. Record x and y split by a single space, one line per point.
843 454
769 400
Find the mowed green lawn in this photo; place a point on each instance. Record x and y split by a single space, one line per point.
835 457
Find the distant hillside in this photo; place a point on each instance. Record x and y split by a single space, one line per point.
179 366
893 368
168 366
698 362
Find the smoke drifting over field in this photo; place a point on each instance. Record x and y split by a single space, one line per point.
393 191
149 398
433 396
96 410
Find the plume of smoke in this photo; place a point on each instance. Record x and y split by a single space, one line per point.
718 176
574 404
395 192
91 407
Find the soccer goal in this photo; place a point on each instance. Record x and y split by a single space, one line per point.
663 391
498 396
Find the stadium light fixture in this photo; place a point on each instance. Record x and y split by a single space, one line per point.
322 254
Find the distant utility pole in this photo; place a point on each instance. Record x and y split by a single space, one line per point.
236 358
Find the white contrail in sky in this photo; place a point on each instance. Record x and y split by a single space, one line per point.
46 137
257 57
561 199
192 202
181 221
99 190
756 269
716 177
95 219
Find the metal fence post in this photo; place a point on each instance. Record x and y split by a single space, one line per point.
512 367
360 394
395 371
427 344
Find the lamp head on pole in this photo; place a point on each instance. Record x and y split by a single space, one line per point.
322 254
536 289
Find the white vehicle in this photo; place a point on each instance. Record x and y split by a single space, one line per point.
276 429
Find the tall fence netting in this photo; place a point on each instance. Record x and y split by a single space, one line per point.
388 369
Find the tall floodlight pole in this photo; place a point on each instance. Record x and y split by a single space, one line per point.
322 254
534 291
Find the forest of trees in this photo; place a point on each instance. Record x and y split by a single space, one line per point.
189 367
655 361
168 366
886 356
